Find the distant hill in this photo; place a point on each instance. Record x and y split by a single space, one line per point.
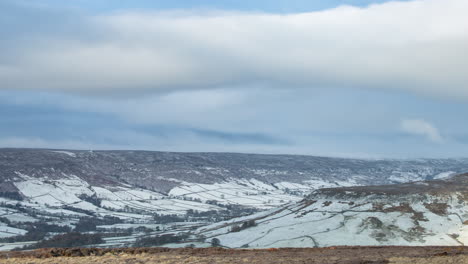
162 171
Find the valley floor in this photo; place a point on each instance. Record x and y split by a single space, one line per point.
348 255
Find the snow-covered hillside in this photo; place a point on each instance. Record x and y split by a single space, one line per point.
181 191
162 171
422 213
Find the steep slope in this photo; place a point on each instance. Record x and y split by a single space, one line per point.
419 213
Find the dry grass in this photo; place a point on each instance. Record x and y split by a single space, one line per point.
347 255
431 260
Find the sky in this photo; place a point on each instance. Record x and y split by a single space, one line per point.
352 78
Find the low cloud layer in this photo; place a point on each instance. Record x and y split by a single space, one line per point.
420 46
342 122
421 128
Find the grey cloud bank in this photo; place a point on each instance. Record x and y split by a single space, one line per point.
341 122
418 46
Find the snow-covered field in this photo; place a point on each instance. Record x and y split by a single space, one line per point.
242 192
71 192
6 231
71 195
331 222
146 189
65 200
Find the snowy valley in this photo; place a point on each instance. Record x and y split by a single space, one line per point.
131 195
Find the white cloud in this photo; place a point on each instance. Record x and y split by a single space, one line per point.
420 46
421 128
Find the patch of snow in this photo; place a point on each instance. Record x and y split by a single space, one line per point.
68 153
444 175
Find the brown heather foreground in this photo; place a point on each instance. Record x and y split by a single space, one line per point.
348 255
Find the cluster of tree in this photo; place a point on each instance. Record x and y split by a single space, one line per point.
45 227
121 233
12 195
39 230
110 220
245 225
293 192
78 210
236 210
35 231
16 206
187 198
5 221
211 216
165 219
129 231
29 236
213 202
144 229
91 199
215 242
160 240
231 211
87 224
74 239
197 214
